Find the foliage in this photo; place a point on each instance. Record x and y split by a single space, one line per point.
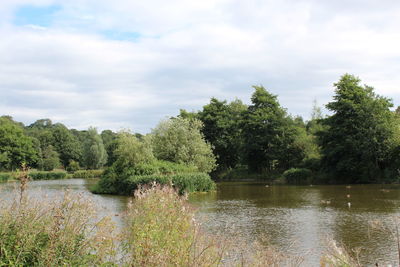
110 144
4 177
268 134
88 174
15 146
94 153
54 232
47 175
297 175
66 144
222 130
184 183
360 134
131 151
180 140
132 179
161 231
50 159
73 166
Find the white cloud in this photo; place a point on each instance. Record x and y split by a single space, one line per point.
187 52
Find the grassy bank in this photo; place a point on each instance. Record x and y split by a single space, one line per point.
51 175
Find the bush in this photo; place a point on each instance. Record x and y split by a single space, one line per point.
87 174
161 231
162 167
297 175
47 175
73 166
184 183
49 232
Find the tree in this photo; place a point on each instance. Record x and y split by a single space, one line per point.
268 134
66 144
94 153
359 135
15 147
180 140
222 130
131 151
110 144
51 159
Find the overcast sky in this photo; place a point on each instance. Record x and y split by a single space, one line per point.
130 63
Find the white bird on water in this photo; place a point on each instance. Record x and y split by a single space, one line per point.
349 204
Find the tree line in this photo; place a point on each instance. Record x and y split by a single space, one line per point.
358 143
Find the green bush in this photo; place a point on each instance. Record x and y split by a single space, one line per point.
4 177
162 167
184 182
73 166
87 174
47 175
297 175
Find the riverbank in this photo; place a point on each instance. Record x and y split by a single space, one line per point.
51 175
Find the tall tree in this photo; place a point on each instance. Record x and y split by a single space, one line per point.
359 138
15 147
110 144
180 140
222 129
66 144
94 153
268 134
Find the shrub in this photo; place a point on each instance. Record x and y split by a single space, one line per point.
184 183
297 175
47 175
87 174
161 231
48 232
4 177
73 166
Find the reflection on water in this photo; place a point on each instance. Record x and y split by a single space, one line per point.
293 218
300 218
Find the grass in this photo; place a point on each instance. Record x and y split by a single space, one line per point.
53 232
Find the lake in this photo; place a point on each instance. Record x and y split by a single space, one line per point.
296 219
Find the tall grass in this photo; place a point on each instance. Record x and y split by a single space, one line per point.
54 232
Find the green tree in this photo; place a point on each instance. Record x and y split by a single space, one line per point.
94 153
51 159
359 136
15 146
66 144
222 130
110 144
180 140
268 134
131 151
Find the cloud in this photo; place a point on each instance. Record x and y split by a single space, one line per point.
131 63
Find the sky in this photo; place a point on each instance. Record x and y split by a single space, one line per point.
129 64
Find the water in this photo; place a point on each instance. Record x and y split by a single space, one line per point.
296 219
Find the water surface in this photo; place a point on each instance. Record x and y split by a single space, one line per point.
296 219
